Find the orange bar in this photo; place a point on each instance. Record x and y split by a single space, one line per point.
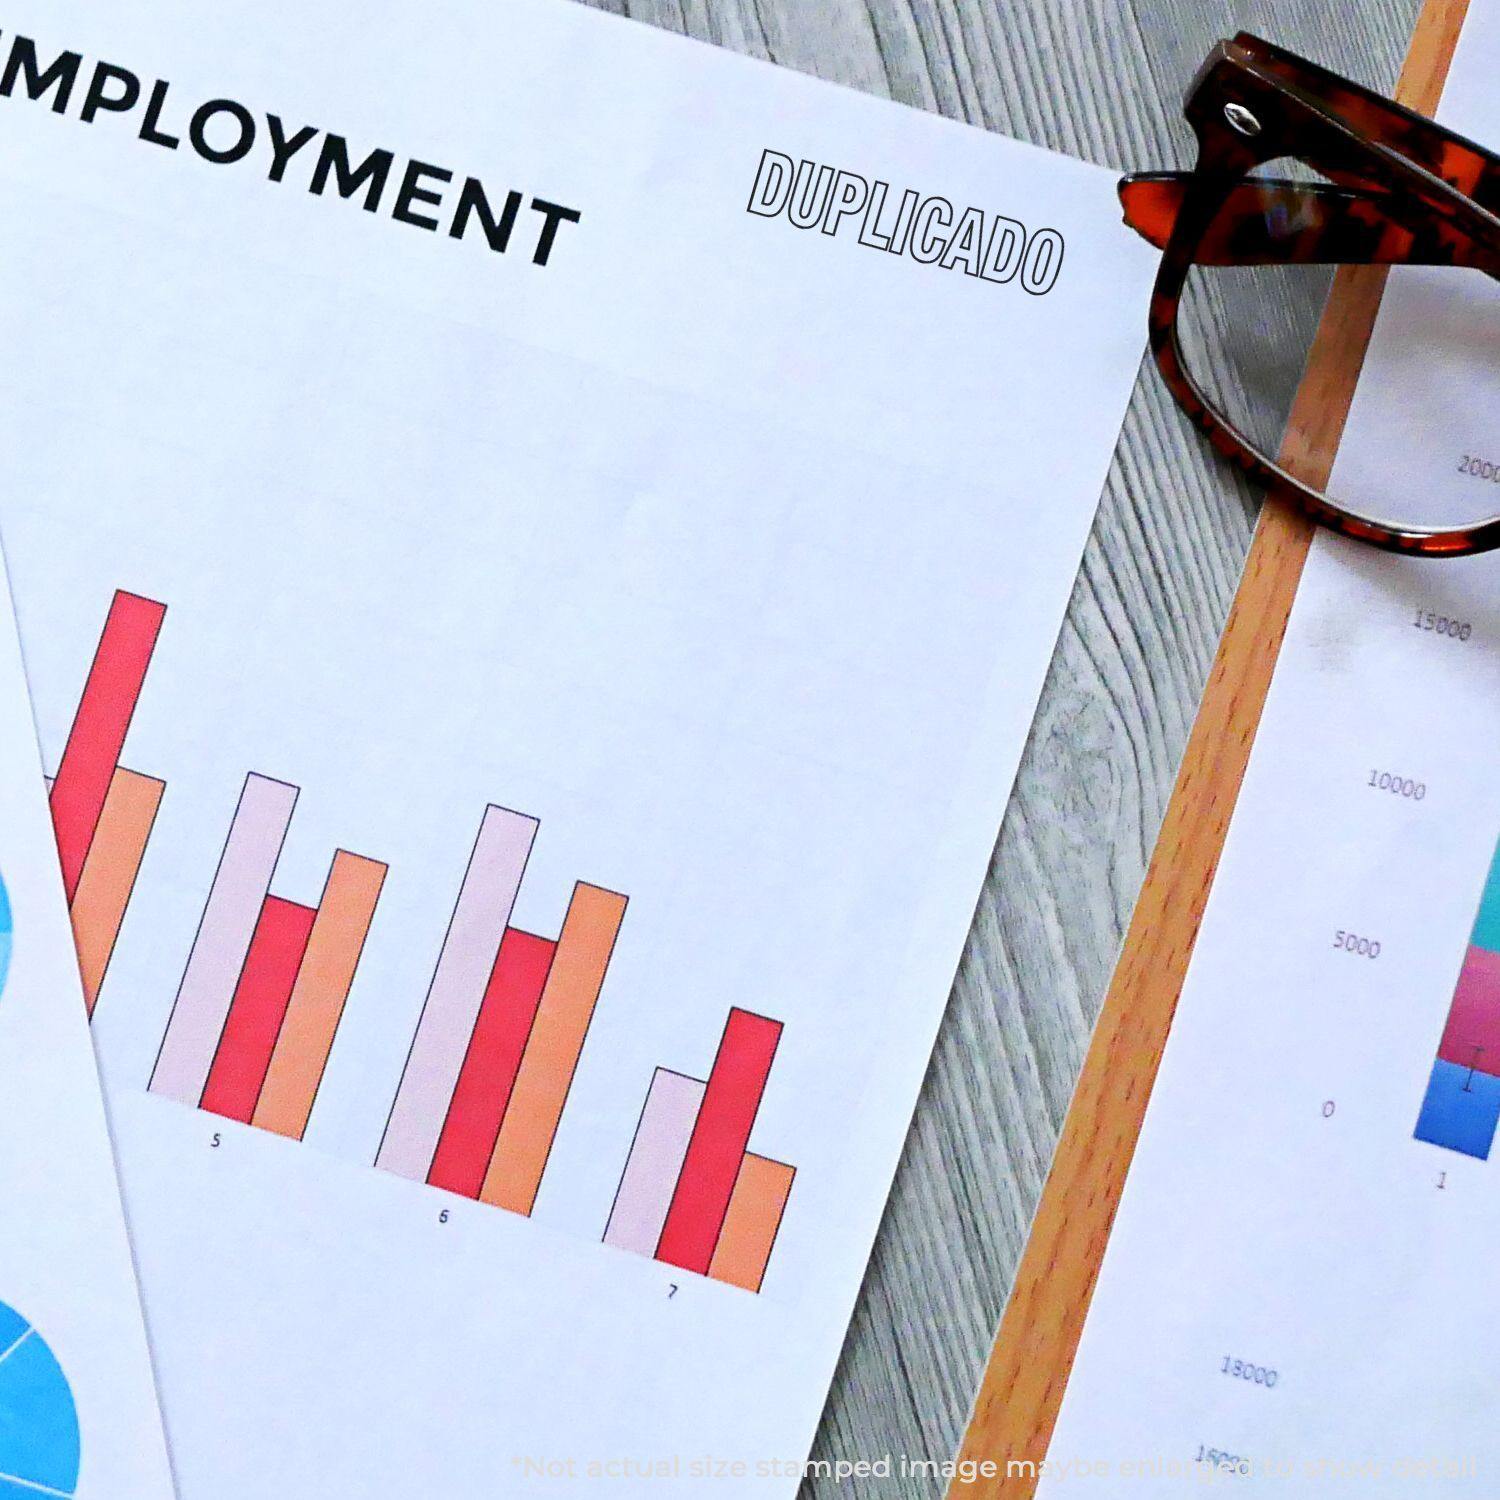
750 1226
562 1021
317 1004
109 871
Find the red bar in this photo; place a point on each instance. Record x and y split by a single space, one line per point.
1472 1036
719 1140
99 727
260 1001
491 1063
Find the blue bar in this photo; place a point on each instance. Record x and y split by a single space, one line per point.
1461 1110
1487 923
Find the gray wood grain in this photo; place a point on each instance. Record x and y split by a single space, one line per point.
1102 79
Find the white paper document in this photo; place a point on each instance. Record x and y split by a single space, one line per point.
537 544
78 1411
1299 1293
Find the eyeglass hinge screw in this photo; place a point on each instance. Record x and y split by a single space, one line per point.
1241 119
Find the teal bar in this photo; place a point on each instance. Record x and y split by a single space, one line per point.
1487 923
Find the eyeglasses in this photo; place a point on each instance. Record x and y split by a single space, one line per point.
1300 171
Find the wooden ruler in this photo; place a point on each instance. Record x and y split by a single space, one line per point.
1022 1389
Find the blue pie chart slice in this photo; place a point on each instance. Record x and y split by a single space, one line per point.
39 1443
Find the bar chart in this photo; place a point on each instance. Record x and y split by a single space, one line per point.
692 1194
102 812
266 980
502 1029
1461 1108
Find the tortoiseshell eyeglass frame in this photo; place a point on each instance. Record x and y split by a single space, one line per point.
1400 190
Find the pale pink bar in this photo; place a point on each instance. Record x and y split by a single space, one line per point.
213 967
656 1156
479 920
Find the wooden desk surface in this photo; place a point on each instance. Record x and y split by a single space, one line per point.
1102 79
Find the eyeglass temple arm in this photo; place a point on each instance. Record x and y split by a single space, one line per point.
1268 221
1454 158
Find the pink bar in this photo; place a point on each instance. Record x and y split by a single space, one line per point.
480 917
213 967
1472 1036
656 1155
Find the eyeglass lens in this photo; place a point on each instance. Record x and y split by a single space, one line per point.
1246 331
